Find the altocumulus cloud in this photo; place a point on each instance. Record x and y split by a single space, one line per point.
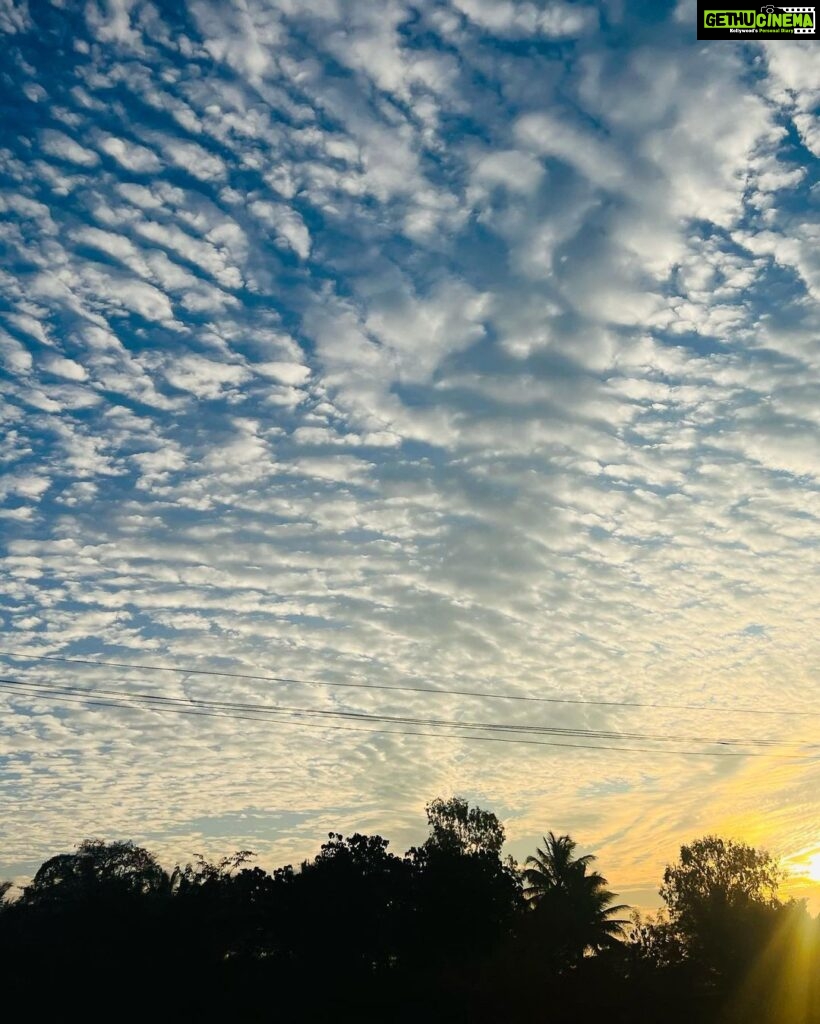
466 345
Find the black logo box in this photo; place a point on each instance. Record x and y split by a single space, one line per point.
763 18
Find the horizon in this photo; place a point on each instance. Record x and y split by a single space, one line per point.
442 373
797 885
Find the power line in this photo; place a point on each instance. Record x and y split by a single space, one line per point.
37 690
404 688
367 716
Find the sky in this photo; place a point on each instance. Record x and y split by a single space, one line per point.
443 345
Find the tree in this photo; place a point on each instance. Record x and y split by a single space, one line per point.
553 868
363 889
458 828
103 905
574 913
465 897
721 896
654 942
97 870
205 873
221 908
714 871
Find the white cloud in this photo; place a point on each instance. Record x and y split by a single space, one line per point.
15 356
117 246
286 373
204 378
62 367
60 145
110 20
287 224
26 485
155 465
243 36
342 469
14 16
549 135
130 155
520 19
417 334
30 325
515 170
195 159
792 84
118 291
211 259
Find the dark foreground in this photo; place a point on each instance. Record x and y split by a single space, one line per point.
448 932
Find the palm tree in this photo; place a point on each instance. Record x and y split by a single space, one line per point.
554 867
573 901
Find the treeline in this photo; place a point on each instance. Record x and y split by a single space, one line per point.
450 931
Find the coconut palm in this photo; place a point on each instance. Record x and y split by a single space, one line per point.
570 899
553 868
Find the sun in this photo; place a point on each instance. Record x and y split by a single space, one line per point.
813 868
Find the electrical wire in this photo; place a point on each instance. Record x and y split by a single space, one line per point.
38 690
404 688
363 716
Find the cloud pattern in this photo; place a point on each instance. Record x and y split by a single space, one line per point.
457 344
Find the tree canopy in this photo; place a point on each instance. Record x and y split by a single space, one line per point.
449 931
714 871
722 903
455 827
97 869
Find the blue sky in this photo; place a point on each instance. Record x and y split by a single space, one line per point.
454 345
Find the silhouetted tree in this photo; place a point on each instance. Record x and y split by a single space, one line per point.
721 898
553 868
98 870
95 913
352 902
455 827
223 909
655 942
715 871
202 873
573 909
466 898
